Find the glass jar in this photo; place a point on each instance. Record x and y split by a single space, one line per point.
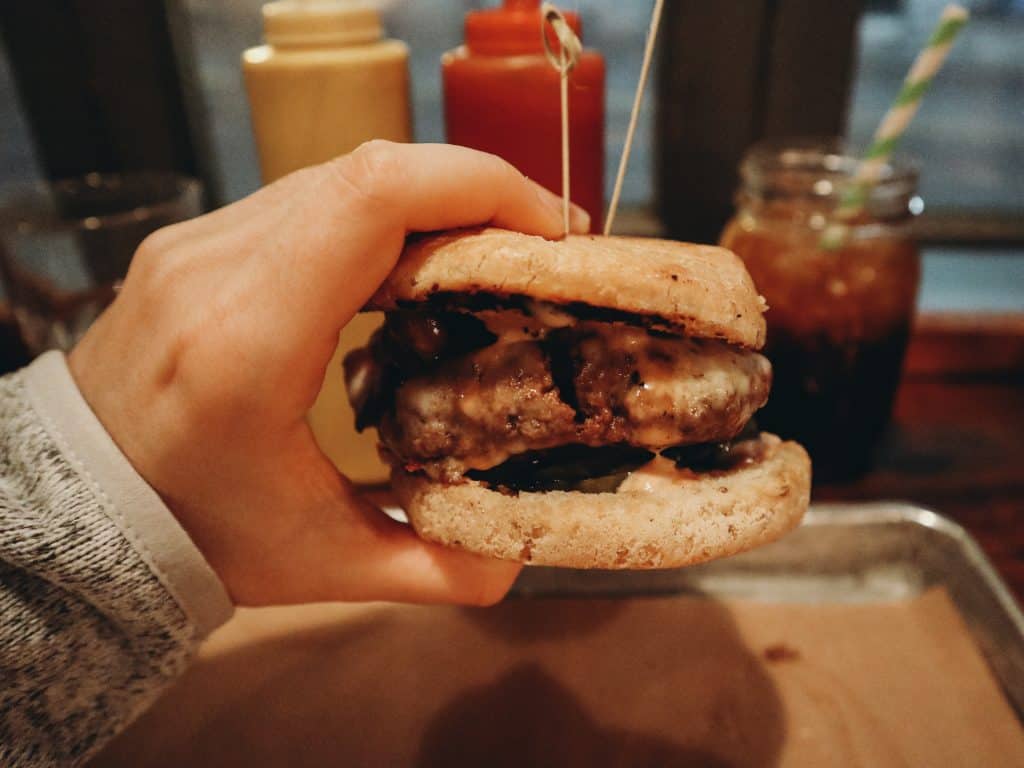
838 319
66 245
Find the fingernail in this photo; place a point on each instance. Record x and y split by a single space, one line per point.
579 219
549 199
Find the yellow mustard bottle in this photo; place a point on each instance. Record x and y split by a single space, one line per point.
326 81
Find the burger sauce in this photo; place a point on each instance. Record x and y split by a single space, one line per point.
501 95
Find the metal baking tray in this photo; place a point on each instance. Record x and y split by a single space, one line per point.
885 551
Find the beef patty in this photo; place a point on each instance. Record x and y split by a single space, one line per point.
591 384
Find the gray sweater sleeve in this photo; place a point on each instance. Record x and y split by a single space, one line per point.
103 597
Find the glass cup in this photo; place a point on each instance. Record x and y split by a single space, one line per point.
66 246
838 320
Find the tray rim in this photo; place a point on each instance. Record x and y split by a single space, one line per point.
907 512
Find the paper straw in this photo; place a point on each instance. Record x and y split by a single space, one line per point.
652 34
894 124
568 56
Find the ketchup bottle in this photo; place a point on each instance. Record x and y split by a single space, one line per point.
501 95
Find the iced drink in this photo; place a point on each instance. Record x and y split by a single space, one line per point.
838 320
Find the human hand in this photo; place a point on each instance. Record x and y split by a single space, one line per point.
204 367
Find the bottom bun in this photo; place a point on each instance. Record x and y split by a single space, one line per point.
660 517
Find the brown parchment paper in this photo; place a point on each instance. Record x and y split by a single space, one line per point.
648 682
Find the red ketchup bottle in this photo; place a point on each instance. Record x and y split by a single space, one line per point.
501 95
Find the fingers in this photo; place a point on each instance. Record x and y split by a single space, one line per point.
351 551
430 187
325 542
350 222
395 564
325 237
404 568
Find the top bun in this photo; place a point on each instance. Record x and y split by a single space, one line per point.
701 291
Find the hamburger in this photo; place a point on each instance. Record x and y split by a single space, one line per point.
585 403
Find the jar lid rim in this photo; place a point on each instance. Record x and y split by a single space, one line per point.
814 155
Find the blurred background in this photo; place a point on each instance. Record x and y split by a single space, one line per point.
184 55
898 360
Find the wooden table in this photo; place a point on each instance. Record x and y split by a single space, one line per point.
957 440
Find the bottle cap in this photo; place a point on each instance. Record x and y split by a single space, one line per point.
510 30
312 23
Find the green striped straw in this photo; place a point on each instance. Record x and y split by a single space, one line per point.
894 124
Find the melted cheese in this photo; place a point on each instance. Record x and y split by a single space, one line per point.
511 325
656 475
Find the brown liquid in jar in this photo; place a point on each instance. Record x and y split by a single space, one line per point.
838 325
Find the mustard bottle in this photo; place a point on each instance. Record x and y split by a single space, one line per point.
324 82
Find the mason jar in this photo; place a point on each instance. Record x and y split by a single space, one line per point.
839 317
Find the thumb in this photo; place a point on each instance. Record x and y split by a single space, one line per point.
346 549
402 567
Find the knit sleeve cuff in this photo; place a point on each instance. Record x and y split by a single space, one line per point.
131 503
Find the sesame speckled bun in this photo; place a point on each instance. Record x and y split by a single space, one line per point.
660 517
700 291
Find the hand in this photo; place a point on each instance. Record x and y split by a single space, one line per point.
204 367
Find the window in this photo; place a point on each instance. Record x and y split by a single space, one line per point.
968 135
